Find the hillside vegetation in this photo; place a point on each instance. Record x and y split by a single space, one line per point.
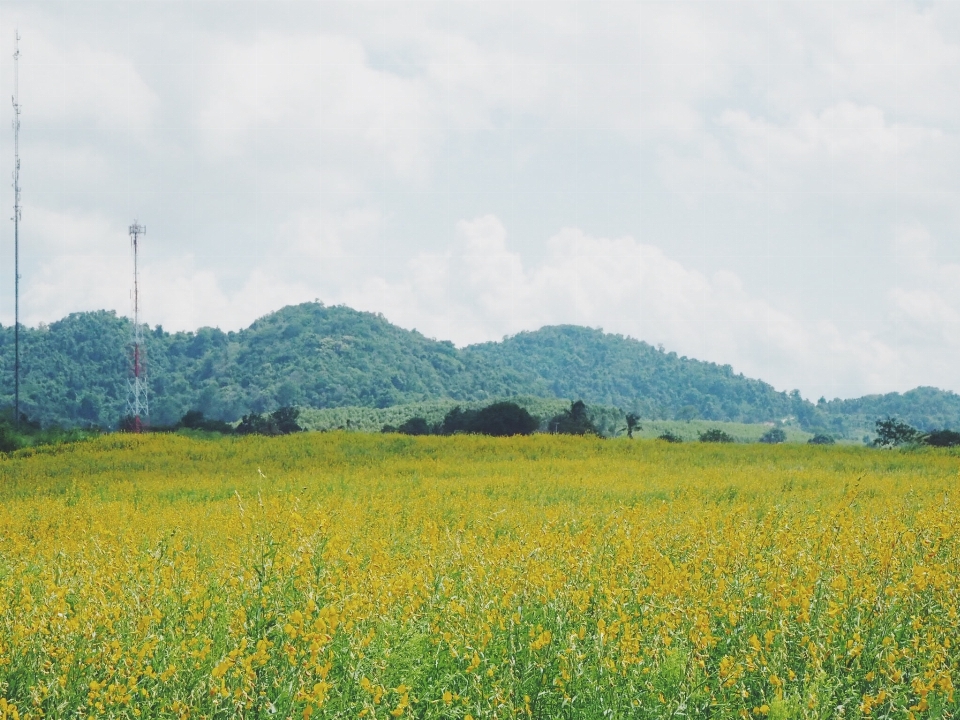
315 356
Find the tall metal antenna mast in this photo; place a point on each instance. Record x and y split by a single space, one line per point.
138 407
16 231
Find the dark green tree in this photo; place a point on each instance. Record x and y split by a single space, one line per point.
285 419
499 419
941 438
892 432
414 426
194 420
774 436
575 421
504 419
458 421
280 422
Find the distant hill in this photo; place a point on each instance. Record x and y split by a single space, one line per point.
326 357
568 361
926 408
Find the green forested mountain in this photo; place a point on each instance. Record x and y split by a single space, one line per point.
925 408
321 357
568 361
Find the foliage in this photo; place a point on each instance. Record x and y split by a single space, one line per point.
668 436
610 421
457 421
574 421
194 420
367 419
499 419
774 436
892 432
821 440
8 439
633 423
282 421
941 438
925 408
504 419
340 575
414 426
607 369
29 433
716 436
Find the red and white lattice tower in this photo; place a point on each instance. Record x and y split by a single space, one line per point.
138 405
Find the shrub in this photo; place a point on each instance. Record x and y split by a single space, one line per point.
716 436
819 439
941 438
31 434
668 436
774 436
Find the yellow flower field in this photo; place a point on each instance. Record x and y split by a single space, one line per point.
377 576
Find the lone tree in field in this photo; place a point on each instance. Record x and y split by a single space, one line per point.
892 432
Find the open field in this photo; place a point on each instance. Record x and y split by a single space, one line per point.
346 575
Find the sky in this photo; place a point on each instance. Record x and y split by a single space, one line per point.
772 185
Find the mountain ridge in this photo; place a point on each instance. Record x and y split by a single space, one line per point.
313 355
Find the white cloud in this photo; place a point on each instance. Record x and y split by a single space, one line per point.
314 88
926 301
71 83
193 298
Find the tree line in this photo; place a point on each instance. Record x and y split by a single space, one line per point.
501 419
282 421
892 432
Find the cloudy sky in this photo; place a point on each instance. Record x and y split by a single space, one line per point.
772 185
